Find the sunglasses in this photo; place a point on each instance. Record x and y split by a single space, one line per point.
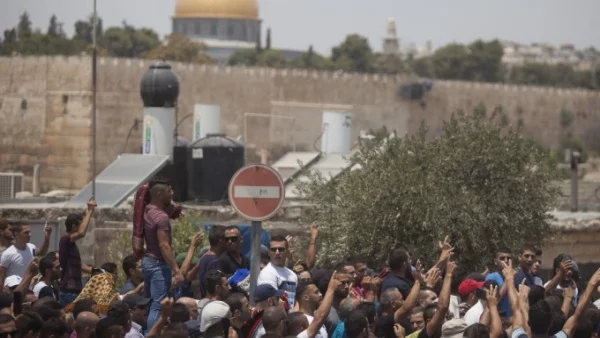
277 249
232 239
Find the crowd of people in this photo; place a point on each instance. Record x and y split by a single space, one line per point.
206 292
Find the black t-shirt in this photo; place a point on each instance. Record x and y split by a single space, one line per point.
385 326
70 264
228 265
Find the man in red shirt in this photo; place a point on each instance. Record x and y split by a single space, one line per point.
158 265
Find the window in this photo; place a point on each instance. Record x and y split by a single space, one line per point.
197 28
213 28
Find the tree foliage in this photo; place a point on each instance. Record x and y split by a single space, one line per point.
482 184
180 48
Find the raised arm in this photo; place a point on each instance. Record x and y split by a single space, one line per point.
323 310
584 301
560 276
196 241
311 252
43 249
83 227
435 325
492 308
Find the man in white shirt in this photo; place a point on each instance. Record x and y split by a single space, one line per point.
309 297
49 268
474 314
16 258
276 274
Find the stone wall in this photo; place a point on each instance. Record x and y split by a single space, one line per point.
54 129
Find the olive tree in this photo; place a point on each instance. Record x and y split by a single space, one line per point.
479 182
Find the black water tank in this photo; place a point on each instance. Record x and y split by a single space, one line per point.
212 161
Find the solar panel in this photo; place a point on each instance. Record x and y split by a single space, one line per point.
288 164
120 179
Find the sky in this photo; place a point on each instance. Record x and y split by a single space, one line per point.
297 24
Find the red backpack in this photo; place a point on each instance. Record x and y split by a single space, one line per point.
142 199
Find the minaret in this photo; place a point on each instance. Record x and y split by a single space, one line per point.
391 44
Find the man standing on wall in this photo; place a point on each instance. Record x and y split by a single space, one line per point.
158 265
68 254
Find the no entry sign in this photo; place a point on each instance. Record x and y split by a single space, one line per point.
256 192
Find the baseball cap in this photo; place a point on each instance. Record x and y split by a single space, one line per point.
12 281
134 300
469 286
266 291
454 328
212 314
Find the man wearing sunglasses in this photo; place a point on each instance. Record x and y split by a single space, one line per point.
232 259
276 273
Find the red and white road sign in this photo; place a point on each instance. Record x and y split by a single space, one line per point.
256 192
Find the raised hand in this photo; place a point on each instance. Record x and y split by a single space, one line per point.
432 277
314 231
91 204
447 250
197 240
491 295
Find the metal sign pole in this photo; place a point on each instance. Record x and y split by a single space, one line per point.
255 257
94 81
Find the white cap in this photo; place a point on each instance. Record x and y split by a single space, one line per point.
12 281
213 313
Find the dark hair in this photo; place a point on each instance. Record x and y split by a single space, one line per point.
45 264
234 301
175 330
540 318
477 330
54 327
47 308
272 316
83 305
72 221
293 323
528 248
503 250
28 322
233 227
181 313
158 180
109 267
357 259
397 259
368 308
212 280
129 262
558 321
278 238
585 328
4 224
429 311
555 302
417 309
120 310
52 254
216 233
16 227
301 289
356 323
536 293
106 326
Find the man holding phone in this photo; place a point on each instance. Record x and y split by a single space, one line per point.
68 254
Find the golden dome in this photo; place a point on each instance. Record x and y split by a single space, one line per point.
227 9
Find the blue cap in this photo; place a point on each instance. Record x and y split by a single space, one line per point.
266 291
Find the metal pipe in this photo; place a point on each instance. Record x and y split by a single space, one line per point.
94 83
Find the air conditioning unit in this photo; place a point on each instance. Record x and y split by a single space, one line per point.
11 184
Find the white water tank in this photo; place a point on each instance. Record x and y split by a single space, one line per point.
158 134
207 120
336 128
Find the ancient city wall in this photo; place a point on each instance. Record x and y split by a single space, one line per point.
54 127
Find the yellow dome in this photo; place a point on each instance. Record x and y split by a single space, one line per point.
229 9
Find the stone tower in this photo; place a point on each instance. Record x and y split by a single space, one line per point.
391 44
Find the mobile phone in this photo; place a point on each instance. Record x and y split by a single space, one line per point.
17 303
